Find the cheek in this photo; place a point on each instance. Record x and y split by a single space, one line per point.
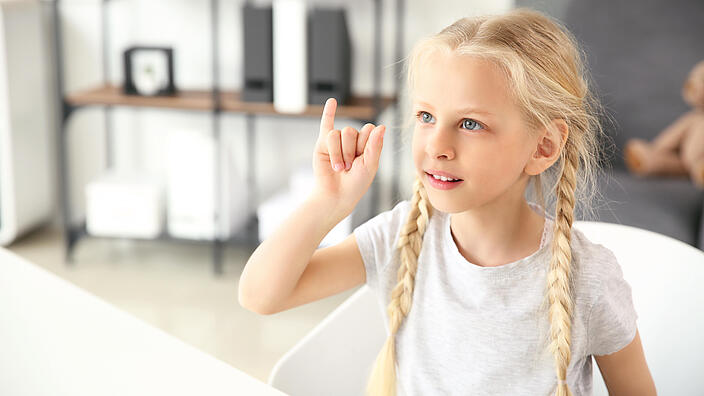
417 155
498 165
418 148
489 171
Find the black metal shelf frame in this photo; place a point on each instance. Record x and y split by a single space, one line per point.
73 233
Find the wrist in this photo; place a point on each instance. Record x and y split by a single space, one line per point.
328 205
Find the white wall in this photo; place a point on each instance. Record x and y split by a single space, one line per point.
282 142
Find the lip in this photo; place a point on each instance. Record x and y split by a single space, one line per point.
442 185
441 173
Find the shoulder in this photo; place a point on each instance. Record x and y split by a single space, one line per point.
594 259
376 239
399 211
597 270
389 220
380 231
610 311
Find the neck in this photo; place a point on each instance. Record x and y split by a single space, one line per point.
499 233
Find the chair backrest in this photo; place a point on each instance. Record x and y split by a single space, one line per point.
336 357
666 277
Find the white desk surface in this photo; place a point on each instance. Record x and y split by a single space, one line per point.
57 339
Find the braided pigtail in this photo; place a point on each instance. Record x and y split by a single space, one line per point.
382 381
558 279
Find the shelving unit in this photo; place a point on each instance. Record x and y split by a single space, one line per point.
215 101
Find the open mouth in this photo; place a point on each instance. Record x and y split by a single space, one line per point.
440 184
446 180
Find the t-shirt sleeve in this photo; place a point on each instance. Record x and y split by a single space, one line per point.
612 321
376 239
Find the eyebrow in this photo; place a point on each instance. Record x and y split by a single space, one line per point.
463 111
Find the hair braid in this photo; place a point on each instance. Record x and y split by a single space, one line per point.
383 377
559 278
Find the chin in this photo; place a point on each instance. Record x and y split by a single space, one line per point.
450 209
444 202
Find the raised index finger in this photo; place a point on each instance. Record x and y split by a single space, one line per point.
327 121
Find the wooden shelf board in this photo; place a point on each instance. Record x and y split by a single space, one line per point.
357 107
112 95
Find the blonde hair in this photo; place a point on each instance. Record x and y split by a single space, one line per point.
546 71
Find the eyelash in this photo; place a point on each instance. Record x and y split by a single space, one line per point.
419 116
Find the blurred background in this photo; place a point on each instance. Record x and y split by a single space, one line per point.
147 147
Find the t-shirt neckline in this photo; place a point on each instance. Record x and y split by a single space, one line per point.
509 270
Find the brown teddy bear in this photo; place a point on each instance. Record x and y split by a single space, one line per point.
679 149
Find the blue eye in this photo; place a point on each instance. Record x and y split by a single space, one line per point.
467 123
423 118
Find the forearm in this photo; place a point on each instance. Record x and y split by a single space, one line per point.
273 270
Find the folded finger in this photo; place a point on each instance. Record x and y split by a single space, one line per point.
363 137
349 145
373 150
335 149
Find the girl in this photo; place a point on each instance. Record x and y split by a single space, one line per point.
484 292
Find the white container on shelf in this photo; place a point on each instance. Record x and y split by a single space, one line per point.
302 181
190 188
125 204
274 211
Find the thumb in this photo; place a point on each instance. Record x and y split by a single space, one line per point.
372 151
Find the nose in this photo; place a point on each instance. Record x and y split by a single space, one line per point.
440 144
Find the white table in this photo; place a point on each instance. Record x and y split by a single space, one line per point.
57 339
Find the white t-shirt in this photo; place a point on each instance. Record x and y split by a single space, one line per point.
482 330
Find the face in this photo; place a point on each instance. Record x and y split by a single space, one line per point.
467 126
693 89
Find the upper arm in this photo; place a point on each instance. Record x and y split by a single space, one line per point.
331 270
626 372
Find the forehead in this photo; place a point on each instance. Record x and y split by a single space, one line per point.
457 81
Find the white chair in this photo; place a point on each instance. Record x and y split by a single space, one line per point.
666 277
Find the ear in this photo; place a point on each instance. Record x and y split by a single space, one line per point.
548 147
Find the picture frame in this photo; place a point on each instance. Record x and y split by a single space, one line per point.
149 71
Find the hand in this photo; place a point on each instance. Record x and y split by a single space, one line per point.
356 152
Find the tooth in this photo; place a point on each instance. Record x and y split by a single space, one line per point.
443 178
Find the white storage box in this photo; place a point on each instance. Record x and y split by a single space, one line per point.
302 181
274 211
125 204
190 188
